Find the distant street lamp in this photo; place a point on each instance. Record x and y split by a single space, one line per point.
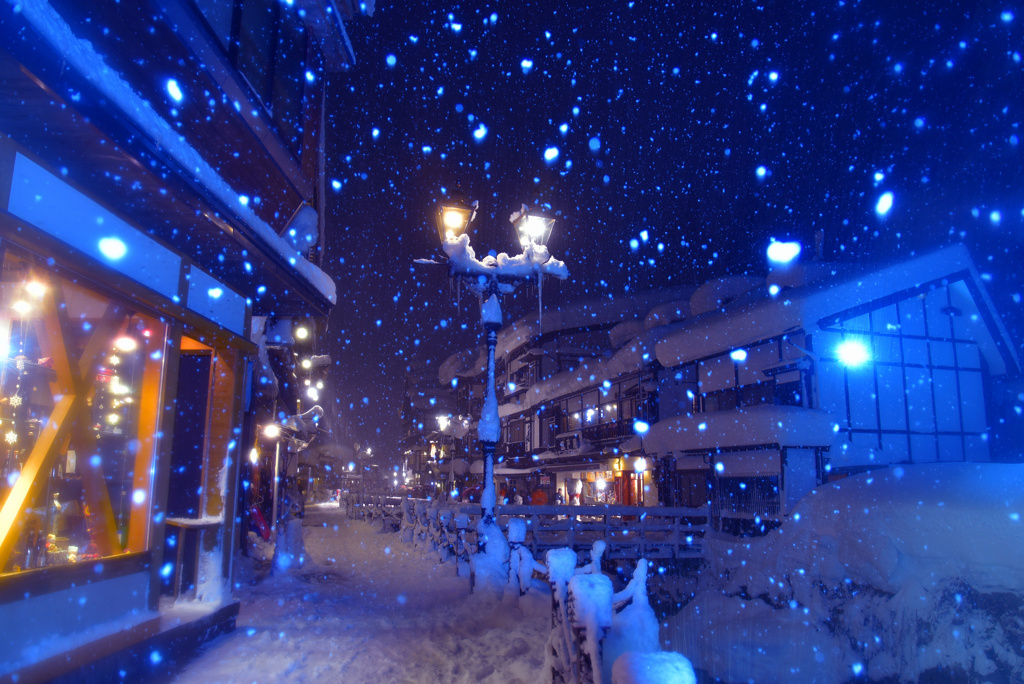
490 277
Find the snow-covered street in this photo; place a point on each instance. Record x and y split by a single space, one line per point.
370 609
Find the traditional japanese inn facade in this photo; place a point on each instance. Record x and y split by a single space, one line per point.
745 393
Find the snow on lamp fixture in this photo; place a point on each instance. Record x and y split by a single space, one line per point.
783 252
852 353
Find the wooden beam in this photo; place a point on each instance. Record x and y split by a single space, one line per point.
40 460
147 413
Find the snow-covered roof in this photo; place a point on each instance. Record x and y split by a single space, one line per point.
632 357
593 313
757 317
83 57
755 426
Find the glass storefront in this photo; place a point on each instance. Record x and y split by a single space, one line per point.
81 377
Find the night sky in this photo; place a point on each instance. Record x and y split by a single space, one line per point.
672 143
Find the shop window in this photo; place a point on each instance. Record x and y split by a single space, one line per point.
80 382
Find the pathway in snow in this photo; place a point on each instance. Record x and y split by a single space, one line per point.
371 609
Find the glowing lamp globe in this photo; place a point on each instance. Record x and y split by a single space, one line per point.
781 253
533 228
853 353
452 221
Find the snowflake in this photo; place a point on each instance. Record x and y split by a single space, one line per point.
11 437
15 401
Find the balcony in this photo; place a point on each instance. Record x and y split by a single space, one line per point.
607 431
511 450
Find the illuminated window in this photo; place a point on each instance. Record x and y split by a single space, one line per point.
80 362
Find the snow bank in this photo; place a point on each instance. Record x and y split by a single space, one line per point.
885 574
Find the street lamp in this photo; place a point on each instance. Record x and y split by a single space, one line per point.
490 277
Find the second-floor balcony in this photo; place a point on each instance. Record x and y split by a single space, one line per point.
607 431
511 450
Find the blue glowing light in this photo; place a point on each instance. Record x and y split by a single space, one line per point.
551 154
215 293
783 252
738 355
526 65
113 248
852 353
595 144
773 289
641 427
884 204
481 132
762 172
336 184
719 467
174 90
391 60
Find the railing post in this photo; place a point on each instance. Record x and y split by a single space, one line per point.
590 615
561 564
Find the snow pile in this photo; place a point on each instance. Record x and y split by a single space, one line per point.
889 574
653 668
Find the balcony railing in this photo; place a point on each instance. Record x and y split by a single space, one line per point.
510 450
606 431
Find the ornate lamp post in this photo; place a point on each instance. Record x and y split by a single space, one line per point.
490 277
